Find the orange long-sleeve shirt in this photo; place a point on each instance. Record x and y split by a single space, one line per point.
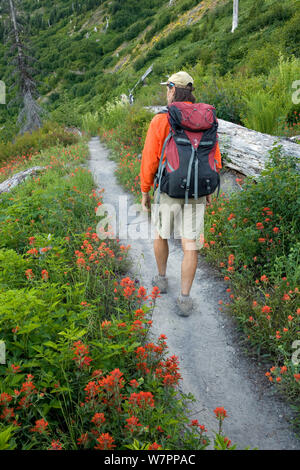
158 131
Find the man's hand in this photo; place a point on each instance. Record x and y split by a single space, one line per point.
208 200
146 203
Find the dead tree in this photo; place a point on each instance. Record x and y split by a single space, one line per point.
30 116
235 16
106 25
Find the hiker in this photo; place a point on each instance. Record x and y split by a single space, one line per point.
186 197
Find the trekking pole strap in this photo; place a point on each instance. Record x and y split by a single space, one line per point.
196 178
161 166
188 178
219 185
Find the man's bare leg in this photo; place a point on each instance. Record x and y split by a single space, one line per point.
161 251
189 265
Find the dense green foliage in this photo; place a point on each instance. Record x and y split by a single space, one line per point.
48 136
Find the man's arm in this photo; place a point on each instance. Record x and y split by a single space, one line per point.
218 157
150 155
156 134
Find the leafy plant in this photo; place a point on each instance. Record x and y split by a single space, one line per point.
90 123
6 438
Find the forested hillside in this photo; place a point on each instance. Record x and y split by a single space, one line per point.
89 52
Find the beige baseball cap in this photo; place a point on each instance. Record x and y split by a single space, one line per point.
180 79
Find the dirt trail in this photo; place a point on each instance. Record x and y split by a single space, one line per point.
212 364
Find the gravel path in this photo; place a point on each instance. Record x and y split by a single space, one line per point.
213 366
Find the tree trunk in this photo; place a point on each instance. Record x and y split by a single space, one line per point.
246 150
235 17
31 110
18 178
107 24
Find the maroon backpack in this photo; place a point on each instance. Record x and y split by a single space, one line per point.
189 169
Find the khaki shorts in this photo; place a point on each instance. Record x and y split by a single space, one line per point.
172 215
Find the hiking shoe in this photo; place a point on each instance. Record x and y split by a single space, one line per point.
184 306
161 283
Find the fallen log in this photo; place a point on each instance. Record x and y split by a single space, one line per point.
18 178
245 150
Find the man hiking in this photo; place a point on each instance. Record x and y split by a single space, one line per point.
181 158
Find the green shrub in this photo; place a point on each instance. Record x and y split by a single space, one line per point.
112 113
253 237
187 5
172 37
268 107
268 191
263 112
291 35
149 35
256 9
131 121
262 60
49 135
113 44
161 22
91 122
136 28
275 14
197 34
141 61
159 68
107 61
193 55
54 97
225 93
6 437
66 114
